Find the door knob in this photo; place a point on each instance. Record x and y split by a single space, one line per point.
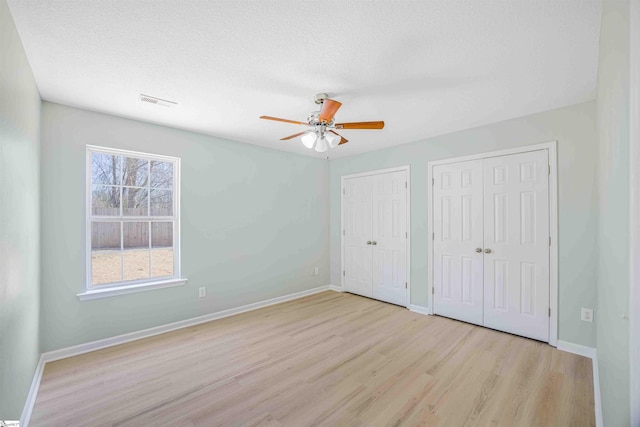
478 250
369 242
487 251
374 243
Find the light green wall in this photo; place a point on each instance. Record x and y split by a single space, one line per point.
634 259
613 236
19 220
254 224
574 129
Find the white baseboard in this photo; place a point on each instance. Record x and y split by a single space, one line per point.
419 309
33 392
592 354
596 391
578 349
63 353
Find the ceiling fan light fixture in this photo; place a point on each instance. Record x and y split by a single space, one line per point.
309 138
321 145
332 139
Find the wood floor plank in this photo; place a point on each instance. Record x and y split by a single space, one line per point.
327 359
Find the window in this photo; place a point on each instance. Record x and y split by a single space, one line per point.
132 220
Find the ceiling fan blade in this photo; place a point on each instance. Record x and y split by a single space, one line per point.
329 108
343 140
284 120
291 136
360 125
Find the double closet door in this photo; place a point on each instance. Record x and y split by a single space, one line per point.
375 236
491 242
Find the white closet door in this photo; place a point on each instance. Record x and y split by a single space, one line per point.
516 232
458 237
358 204
389 237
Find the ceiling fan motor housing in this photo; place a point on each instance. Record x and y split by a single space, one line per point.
320 97
314 119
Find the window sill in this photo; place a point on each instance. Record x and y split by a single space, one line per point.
130 289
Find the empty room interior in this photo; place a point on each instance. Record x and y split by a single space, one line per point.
298 213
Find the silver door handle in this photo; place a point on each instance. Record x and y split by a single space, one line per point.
478 250
374 243
487 251
369 242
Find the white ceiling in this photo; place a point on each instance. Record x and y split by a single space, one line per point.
424 67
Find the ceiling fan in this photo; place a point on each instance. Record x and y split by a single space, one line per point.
322 135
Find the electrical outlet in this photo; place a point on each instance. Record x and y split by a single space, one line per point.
586 315
202 292
316 271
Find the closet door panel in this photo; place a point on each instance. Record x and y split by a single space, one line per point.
389 237
358 204
458 234
516 230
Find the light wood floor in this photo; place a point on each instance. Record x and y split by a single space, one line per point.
329 359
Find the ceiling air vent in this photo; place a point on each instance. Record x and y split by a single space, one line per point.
157 101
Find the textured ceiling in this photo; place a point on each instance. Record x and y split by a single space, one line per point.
424 67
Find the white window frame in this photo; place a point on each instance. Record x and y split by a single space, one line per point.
130 286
